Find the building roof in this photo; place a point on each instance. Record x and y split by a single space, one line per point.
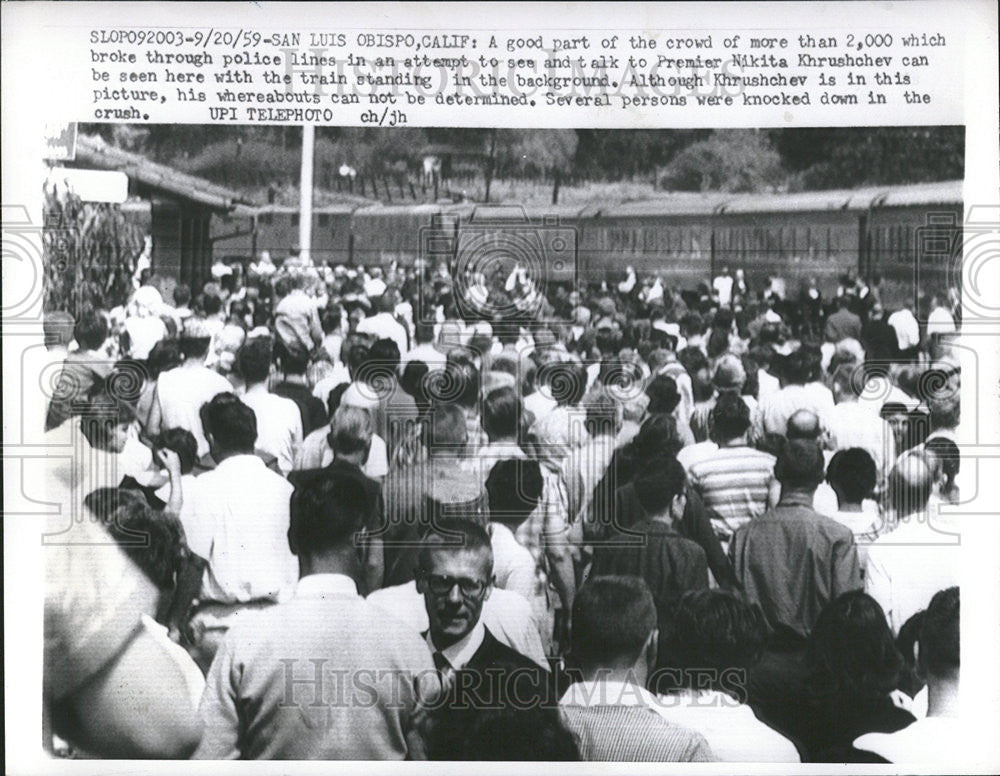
92 151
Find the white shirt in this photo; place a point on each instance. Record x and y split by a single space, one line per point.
316 453
513 563
608 692
236 517
777 408
723 286
384 326
181 392
852 424
279 425
143 333
940 322
507 614
732 730
907 566
539 405
933 741
461 652
690 455
429 354
907 328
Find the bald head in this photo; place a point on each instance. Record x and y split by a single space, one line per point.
910 483
803 424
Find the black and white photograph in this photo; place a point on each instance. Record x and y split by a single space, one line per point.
493 441
349 421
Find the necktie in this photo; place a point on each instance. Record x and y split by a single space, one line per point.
444 669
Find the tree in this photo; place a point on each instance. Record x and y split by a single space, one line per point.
727 160
531 152
89 254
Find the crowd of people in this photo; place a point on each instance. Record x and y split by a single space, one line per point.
338 513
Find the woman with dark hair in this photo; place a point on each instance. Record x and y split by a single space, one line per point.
853 670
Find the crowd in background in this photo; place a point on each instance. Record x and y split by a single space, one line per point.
393 513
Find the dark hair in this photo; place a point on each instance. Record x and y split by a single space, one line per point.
330 321
502 728
663 395
729 418
412 382
852 473
454 535
657 487
182 442
182 294
501 416
358 354
852 656
447 429
105 411
386 352
772 443
801 465
194 347
326 512
514 486
796 367
657 438
718 343
423 331
291 362
693 360
91 329
567 380
333 398
151 539
253 360
231 423
692 324
163 356
717 630
613 617
462 372
211 304
946 452
940 636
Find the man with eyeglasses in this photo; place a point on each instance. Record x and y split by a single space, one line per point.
455 576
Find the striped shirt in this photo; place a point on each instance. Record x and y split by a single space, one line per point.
620 722
733 482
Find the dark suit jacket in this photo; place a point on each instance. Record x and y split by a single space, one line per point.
500 675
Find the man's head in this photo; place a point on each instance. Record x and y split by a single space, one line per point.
663 395
91 329
351 434
514 487
729 375
803 424
454 574
253 360
325 514
447 431
713 630
800 466
660 490
292 361
939 643
501 416
852 475
230 426
182 442
614 625
797 367
910 484
729 418
105 421
195 338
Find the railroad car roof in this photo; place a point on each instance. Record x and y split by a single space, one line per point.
396 210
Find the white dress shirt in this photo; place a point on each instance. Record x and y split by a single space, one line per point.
236 517
907 566
279 425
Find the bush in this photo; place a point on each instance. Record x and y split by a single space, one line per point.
89 254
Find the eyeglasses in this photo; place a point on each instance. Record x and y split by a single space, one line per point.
443 585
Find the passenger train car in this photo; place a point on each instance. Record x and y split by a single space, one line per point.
908 234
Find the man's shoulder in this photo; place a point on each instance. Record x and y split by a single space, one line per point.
493 653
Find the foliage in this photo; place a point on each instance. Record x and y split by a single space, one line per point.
727 160
842 157
89 253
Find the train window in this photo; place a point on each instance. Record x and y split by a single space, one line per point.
265 218
295 219
324 219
